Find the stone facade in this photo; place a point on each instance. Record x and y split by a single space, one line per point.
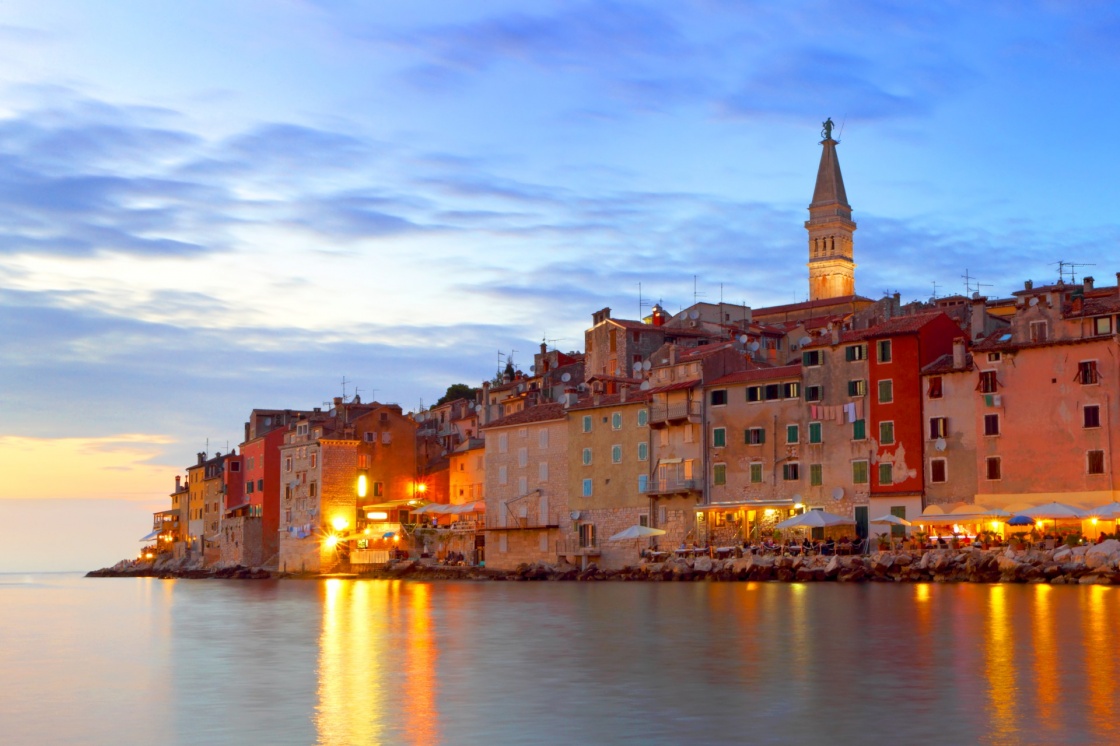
241 541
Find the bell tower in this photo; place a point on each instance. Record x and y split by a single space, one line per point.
832 270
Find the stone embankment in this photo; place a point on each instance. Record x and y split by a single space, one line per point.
1092 564
177 569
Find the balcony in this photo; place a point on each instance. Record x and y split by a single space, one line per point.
576 548
519 522
661 415
671 486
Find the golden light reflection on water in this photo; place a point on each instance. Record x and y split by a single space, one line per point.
351 682
1045 657
1099 652
420 663
1000 667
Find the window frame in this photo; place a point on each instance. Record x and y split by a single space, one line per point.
749 436
588 489
938 427
1096 417
643 451
720 394
888 384
857 387
751 470
616 420
616 453
859 429
586 424
886 469
936 384
719 474
816 475
991 424
816 432
719 437
1091 456
812 358
791 471
855 353
816 389
881 346
997 462
793 430
861 471
882 440
587 456
944 464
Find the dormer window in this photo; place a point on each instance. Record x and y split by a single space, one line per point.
1038 331
1102 325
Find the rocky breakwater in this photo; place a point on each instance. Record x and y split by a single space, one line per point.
181 568
1092 564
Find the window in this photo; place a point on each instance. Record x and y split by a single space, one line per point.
249 488
313 489
643 417
755 436
522 432
791 390
522 457
719 474
616 454
587 423
791 472
542 439
883 348
522 485
616 420
260 485
935 387
793 433
378 489
816 475
503 477
814 393
370 437
988 382
587 457
772 391
503 442
992 468
855 352
1102 325
643 520
859 430
857 388
1038 331
719 437
587 488
1096 462
754 393
859 472
812 358
288 464
1091 415
643 482
991 424
1087 372
814 432
995 357
886 433
386 438
643 451
938 427
756 473
235 466
886 474
689 433
542 471
718 398
938 470
886 391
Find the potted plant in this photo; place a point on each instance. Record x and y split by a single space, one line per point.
884 540
1018 540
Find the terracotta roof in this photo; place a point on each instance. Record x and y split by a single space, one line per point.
611 400
944 364
895 327
1098 306
758 374
678 386
810 304
616 379
539 413
998 343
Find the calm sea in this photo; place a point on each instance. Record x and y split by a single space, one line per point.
144 661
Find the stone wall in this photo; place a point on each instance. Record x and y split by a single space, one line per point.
299 555
241 541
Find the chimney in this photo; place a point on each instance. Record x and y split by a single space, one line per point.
337 402
178 482
835 329
658 315
600 316
484 405
597 398
623 390
1087 284
979 314
958 353
544 348
1028 285
202 457
571 396
673 354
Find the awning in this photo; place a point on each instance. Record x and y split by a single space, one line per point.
152 535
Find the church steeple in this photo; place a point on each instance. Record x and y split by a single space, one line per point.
831 264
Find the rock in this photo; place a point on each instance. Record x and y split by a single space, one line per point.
1095 579
703 564
1103 554
833 568
1062 555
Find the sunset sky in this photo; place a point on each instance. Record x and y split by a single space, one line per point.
208 207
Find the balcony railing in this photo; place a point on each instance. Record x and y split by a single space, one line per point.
668 486
671 412
532 520
576 548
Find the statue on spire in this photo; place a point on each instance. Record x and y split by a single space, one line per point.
827 124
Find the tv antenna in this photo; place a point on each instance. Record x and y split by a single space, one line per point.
1071 268
968 283
344 382
695 291
935 289
642 304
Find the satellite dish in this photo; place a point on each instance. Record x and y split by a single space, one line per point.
694 314
647 365
566 377
838 493
1034 301
520 388
753 347
574 515
532 367
743 338
804 341
644 386
939 444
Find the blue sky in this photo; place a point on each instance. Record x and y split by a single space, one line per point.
212 206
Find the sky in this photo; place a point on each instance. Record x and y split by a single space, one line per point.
211 207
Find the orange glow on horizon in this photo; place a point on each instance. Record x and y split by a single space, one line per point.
115 466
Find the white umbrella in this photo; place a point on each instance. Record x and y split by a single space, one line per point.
636 532
1054 511
815 519
891 519
1108 512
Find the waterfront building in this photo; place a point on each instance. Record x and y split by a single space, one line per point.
949 406
468 471
608 477
527 501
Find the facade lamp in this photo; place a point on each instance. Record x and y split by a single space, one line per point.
363 484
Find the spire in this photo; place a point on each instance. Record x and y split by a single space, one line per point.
830 226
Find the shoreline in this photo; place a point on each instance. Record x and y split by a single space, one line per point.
1092 564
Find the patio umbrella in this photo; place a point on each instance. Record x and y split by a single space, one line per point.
1021 520
891 519
1054 512
1108 512
636 532
815 519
